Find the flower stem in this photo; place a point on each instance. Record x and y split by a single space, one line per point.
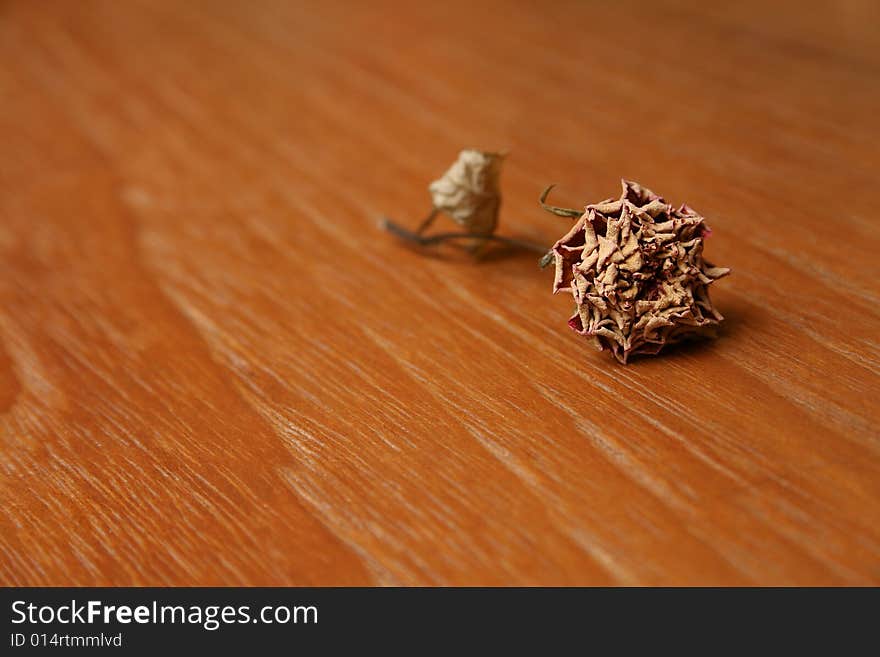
561 212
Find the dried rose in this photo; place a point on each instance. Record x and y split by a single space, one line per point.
635 268
469 191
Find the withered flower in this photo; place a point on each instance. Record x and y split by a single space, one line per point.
635 268
470 194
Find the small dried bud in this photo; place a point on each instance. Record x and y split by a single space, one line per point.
635 268
469 191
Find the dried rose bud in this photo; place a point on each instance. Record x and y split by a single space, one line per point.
469 191
635 268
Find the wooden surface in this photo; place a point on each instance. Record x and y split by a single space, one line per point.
216 370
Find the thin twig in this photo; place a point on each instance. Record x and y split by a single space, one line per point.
562 212
427 221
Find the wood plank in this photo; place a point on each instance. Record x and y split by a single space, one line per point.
215 369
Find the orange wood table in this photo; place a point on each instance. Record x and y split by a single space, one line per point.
215 369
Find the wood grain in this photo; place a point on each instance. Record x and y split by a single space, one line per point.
216 370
